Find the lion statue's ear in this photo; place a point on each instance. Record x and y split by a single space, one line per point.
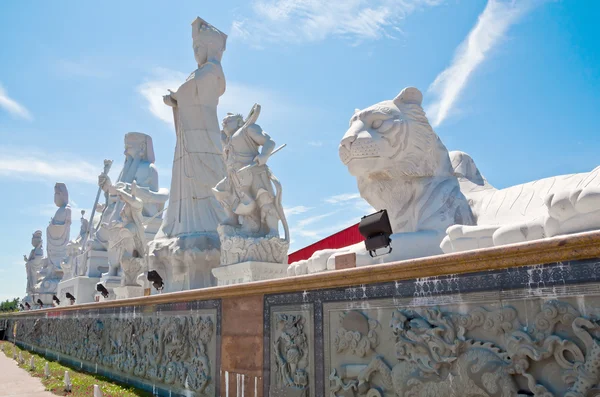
409 96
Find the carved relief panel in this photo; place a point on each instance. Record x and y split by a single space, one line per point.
177 351
292 351
494 345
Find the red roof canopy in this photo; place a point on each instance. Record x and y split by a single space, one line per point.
341 239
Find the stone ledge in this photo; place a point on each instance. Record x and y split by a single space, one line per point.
557 249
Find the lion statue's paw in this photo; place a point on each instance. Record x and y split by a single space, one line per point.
463 238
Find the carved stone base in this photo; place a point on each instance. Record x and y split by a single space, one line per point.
248 271
83 288
185 262
96 263
128 292
238 247
110 283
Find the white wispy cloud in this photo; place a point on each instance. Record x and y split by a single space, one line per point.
491 27
13 107
238 98
315 143
341 198
298 21
30 164
299 209
158 85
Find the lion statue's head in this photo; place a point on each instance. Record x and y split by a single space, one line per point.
393 152
394 139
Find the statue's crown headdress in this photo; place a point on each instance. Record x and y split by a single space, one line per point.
37 233
205 33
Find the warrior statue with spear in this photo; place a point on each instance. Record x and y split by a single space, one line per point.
247 193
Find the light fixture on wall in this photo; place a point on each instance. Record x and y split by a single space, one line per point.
21 306
156 280
376 230
28 306
39 302
56 300
102 289
70 297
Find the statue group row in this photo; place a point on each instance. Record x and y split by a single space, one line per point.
222 194
224 206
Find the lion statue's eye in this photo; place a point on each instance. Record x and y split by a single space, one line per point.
376 124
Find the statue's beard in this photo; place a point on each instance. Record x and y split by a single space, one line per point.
129 169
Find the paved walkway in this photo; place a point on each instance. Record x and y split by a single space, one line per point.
15 381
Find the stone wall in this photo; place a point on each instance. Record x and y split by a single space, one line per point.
515 321
168 349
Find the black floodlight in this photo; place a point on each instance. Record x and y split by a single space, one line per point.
27 305
55 299
22 307
39 302
376 230
156 280
70 297
100 288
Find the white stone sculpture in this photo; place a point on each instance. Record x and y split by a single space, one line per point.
251 230
57 234
69 266
400 165
58 231
33 263
187 246
251 249
129 240
439 202
547 207
139 168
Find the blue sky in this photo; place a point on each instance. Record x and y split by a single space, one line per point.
515 84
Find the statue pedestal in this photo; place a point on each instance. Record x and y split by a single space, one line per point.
83 288
110 283
249 271
239 247
97 263
128 291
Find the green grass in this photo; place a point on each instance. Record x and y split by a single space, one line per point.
83 382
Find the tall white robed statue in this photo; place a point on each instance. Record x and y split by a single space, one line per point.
187 246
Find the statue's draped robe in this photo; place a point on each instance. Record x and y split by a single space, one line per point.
197 165
32 266
57 236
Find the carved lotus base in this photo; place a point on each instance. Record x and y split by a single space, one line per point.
238 247
132 267
248 271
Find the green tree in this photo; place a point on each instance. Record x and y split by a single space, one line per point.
10 305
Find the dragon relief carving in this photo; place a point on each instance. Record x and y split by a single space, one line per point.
438 355
171 350
290 349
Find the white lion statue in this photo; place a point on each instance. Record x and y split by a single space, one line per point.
438 202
